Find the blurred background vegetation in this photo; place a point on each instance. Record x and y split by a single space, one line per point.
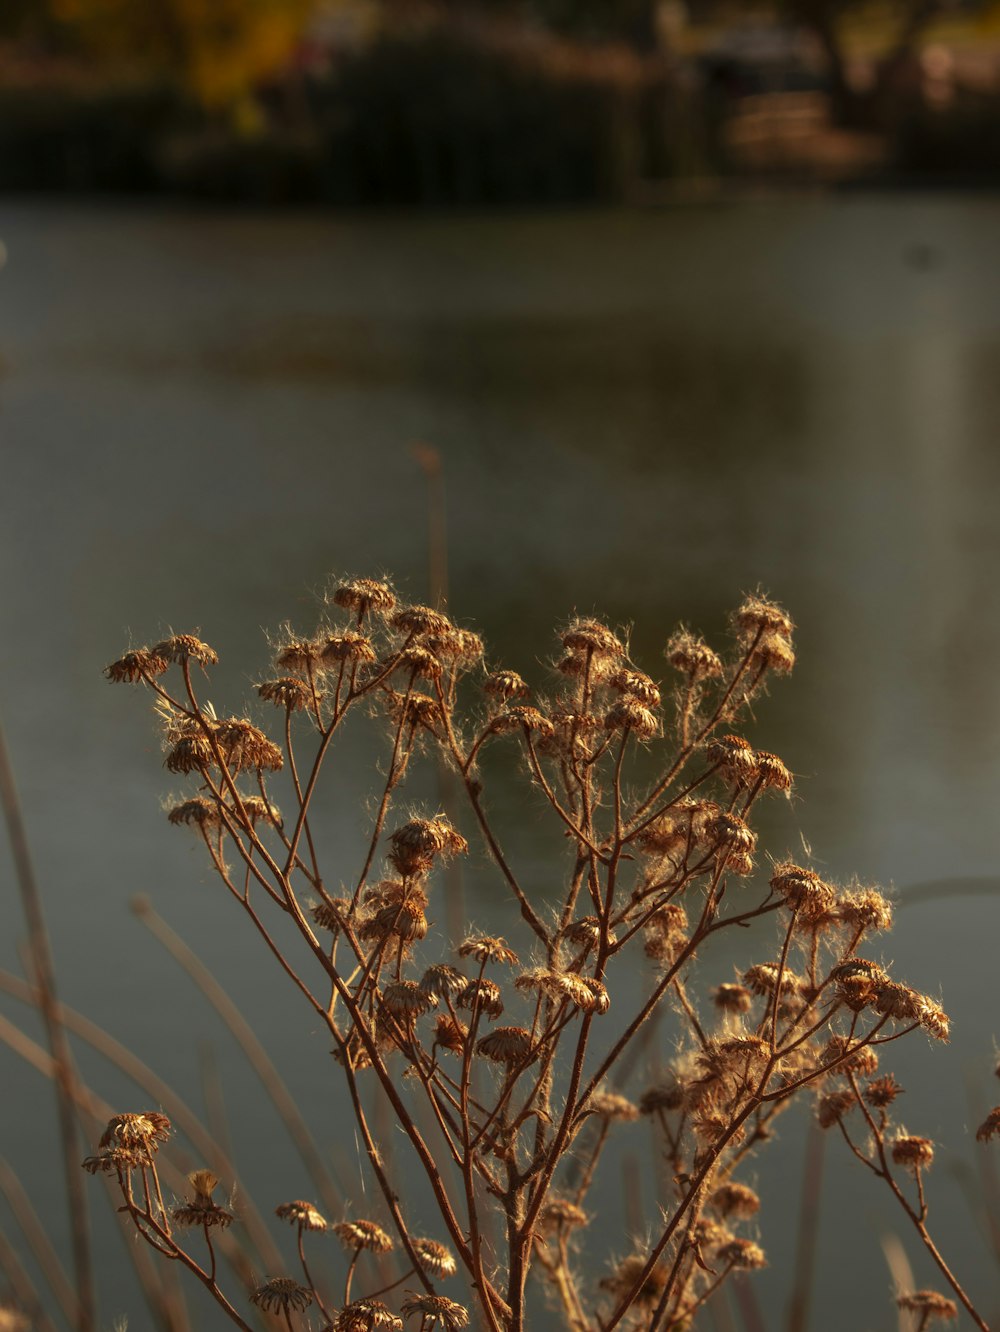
493 102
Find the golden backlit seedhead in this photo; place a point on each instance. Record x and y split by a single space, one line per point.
286 692
364 595
690 655
929 1304
436 1311
437 1258
303 1214
505 685
140 665
181 648
590 637
912 1151
367 1315
363 1235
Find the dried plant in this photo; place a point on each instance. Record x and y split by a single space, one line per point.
506 1064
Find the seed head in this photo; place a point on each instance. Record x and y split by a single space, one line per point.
742 1253
586 932
305 1215
772 773
244 746
139 1133
521 718
191 752
286 692
419 711
505 685
362 1235
667 1096
198 812
299 655
735 759
362 595
733 1199
763 977
758 615
625 1275
863 1060
990 1127
458 647
773 653
406 1001
138 665
185 647
610 1105
590 636
881 1092
416 844
506 1045
486 948
834 1106
481 994
367 1315
436 1311
731 998
691 656
280 1294
348 646
561 1214
201 1210
442 980
912 1152
865 909
450 1034
437 1258
637 686
730 831
929 1303
420 662
331 915
933 1018
803 890
418 620
631 715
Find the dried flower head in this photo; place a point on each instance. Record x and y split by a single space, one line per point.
299 655
181 648
736 1200
865 909
418 620
362 1235
691 656
139 1133
458 647
521 718
561 1214
417 844
881 1092
743 1254
198 812
664 1097
286 692
436 1258
506 1045
505 685
487 948
245 746
732 998
911 1151
636 685
610 1105
442 980
362 595
592 638
632 716
929 1304
758 616
450 1034
482 994
734 758
628 1272
803 890
832 1107
436 1311
772 773
990 1127
368 1315
135 666
349 646
202 1210
848 1057
280 1294
331 915
406 1001
303 1214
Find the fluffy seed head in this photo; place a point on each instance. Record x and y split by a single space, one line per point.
487 948
522 718
590 636
731 998
912 1151
185 647
628 1271
881 1092
610 1105
362 595
286 692
482 994
772 773
141 1133
742 1253
368 1315
418 620
832 1107
732 1199
450 1034
198 811
506 1045
348 646
201 1210
560 1213
406 1001
637 686
505 685
735 759
691 656
416 844
758 615
865 909
442 980
803 890
631 715
298 655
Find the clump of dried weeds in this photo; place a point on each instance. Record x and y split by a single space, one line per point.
507 1070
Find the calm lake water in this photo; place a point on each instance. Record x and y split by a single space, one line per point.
202 416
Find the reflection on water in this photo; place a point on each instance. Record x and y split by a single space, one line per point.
641 415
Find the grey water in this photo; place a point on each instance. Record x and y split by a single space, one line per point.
202 416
